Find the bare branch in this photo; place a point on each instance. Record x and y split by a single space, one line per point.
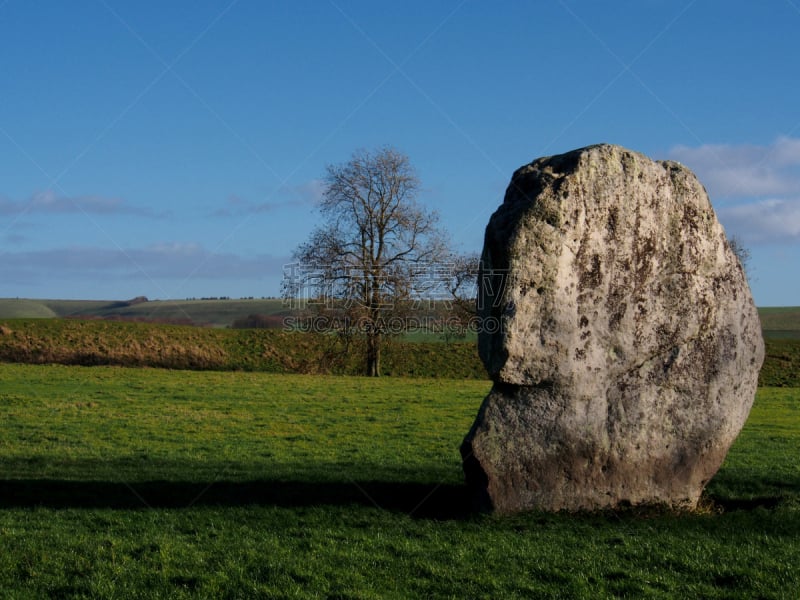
375 232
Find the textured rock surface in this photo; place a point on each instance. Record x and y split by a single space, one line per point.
621 335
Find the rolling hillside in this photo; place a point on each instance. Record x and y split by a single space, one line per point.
780 322
17 308
213 313
777 322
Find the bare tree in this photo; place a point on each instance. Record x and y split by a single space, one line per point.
365 263
742 252
463 284
461 287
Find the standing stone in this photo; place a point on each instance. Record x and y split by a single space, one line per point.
620 333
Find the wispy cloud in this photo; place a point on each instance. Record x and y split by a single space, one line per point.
14 238
163 261
49 202
745 170
305 195
755 189
765 221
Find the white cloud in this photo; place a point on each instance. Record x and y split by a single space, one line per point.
304 195
745 171
164 261
311 192
786 151
755 189
48 202
174 249
14 238
765 221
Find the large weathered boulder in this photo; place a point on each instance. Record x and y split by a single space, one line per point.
621 335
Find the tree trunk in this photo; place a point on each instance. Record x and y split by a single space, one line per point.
373 354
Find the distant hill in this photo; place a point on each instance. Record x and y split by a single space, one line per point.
780 322
210 313
11 308
777 322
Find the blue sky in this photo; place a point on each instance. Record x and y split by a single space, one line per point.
175 149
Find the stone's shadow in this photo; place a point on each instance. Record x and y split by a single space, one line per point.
733 493
731 504
426 501
419 500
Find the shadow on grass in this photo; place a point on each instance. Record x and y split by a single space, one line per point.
419 500
425 501
731 491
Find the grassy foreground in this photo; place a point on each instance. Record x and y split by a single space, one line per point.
140 483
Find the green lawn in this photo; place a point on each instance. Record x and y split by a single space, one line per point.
97 342
146 483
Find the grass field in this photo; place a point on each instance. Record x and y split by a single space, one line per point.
145 483
75 342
